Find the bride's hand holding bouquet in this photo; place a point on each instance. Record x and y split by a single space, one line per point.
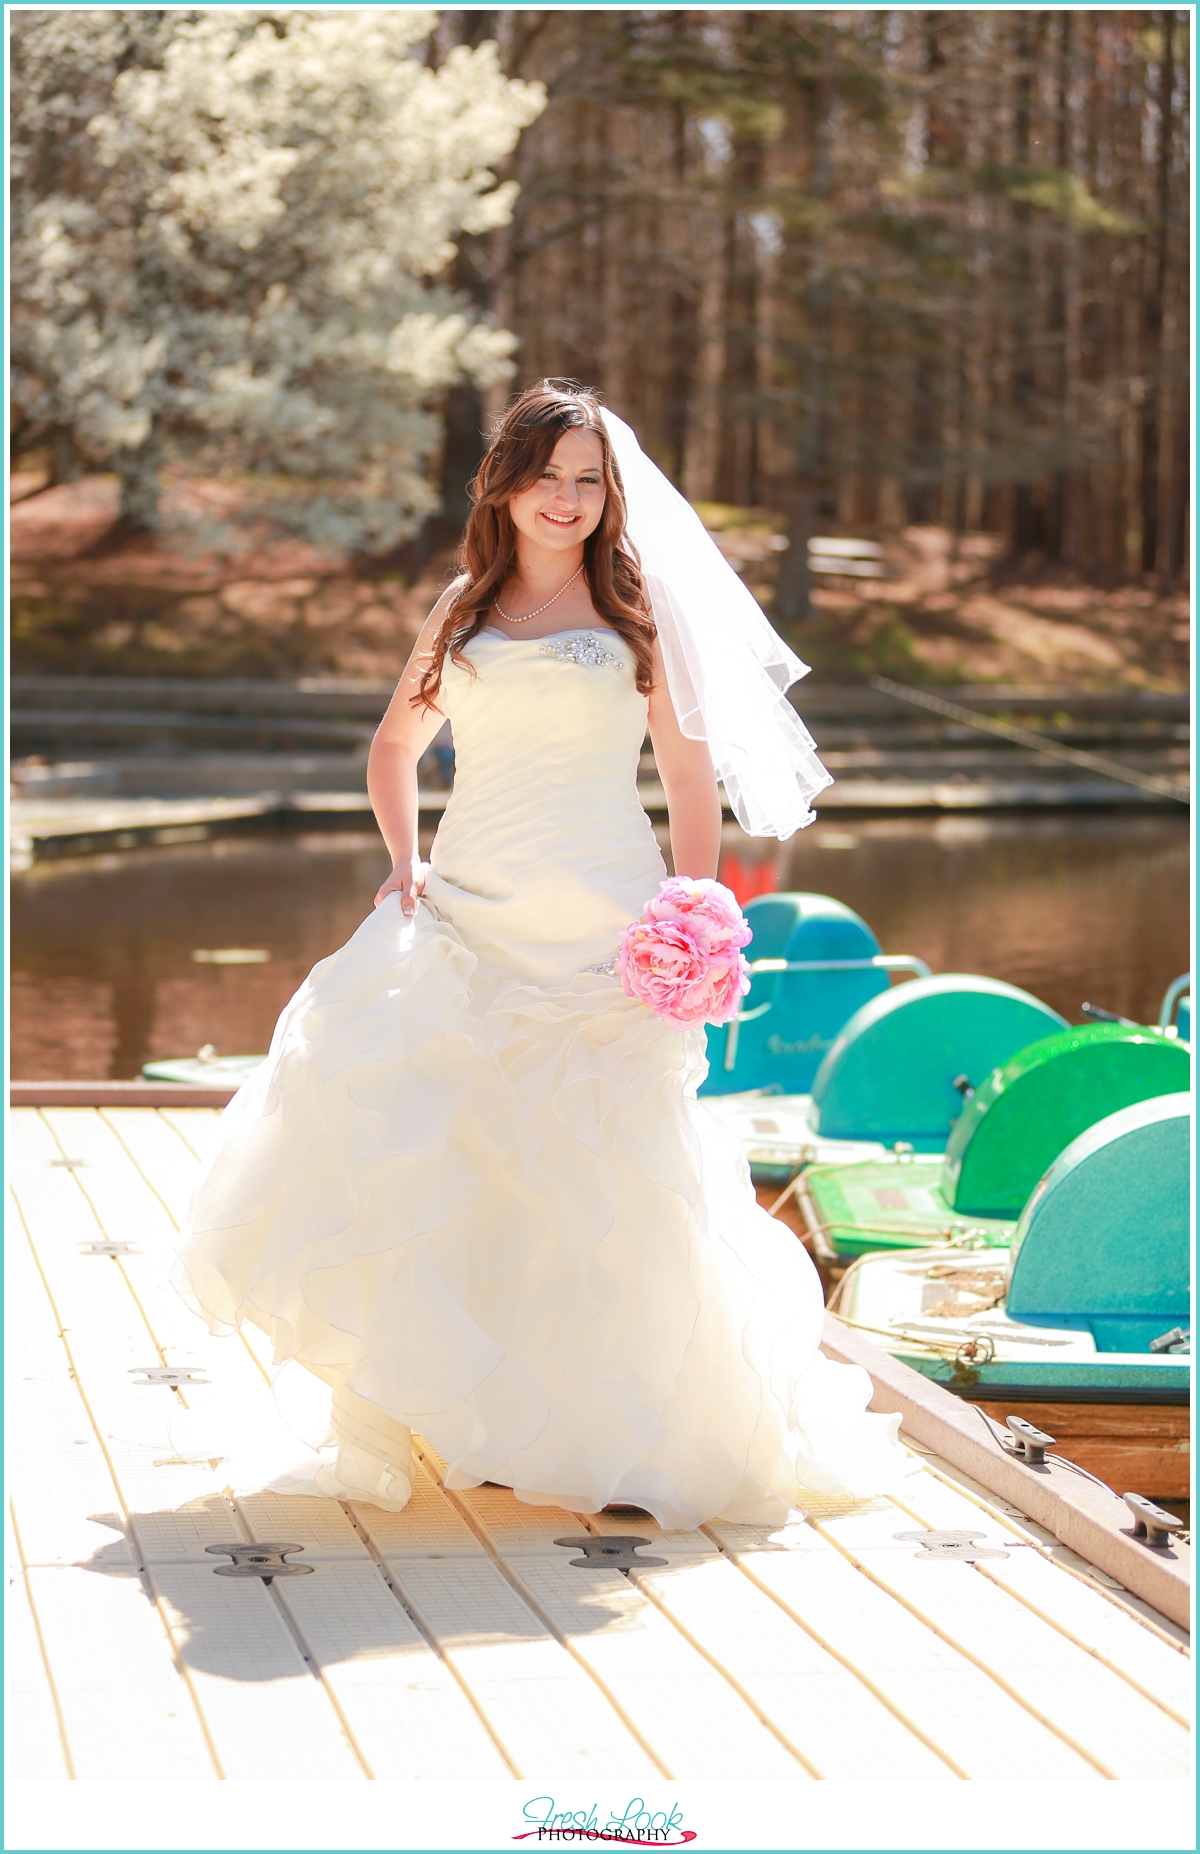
682 956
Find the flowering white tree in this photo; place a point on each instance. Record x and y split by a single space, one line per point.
227 227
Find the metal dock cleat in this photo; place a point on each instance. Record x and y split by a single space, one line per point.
172 1377
1153 1523
1028 1443
614 1551
265 1561
941 1547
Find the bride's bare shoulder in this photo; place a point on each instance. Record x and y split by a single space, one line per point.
442 607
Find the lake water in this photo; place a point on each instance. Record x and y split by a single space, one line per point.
103 949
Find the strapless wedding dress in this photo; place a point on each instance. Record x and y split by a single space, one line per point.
472 1190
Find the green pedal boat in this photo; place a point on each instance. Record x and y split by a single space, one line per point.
1009 1131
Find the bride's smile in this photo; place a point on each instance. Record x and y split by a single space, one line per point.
563 506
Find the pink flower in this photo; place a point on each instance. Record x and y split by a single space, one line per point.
703 903
681 956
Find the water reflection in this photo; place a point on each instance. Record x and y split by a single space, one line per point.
1071 907
104 974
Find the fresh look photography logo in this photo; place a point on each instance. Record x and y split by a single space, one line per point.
635 1825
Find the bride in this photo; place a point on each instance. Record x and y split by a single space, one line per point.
471 1188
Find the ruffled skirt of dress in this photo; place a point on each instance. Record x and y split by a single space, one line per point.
497 1215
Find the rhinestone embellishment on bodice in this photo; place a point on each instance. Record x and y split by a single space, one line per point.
584 647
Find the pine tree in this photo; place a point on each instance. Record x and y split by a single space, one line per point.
230 230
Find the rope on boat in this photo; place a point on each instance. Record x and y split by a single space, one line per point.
952 1343
1025 737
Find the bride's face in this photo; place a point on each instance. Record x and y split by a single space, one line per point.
565 504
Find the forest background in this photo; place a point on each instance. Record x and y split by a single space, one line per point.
915 278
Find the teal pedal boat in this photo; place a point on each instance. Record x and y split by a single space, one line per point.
1088 1304
892 1077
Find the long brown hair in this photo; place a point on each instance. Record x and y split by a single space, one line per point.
521 447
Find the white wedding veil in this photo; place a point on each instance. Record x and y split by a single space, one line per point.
727 671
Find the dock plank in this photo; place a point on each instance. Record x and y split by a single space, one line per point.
124 1203
127 1208
811 1700
1085 1616
36 1749
269 1717
429 1527
693 1720
126 1712
544 1710
163 1155
678 1703
454 1640
101 1330
1065 1557
551 1718
511 1526
808 1697
197 1127
630 1522
110 1654
927 1683
323 1529
105 1324
230 1634
409 1716
1090 1707
167 1147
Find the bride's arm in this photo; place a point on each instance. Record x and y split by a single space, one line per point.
400 740
685 769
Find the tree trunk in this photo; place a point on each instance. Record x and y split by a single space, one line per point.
462 406
462 449
66 464
140 474
1024 377
737 458
794 586
683 325
1153 303
1055 518
1176 550
928 415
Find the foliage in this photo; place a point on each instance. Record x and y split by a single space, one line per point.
871 267
227 233
1053 190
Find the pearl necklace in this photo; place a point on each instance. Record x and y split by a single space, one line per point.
541 608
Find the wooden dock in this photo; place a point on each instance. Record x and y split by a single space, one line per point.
459 1640
122 761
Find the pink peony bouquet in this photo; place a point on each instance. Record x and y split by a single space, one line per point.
682 955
